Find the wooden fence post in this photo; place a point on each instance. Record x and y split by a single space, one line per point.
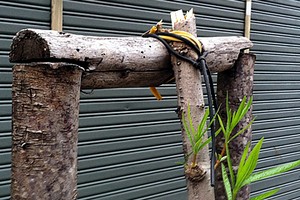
189 92
45 131
56 15
237 82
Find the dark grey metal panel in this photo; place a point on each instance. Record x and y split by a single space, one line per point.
275 33
118 17
14 15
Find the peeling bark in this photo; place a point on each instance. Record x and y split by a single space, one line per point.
189 92
238 82
45 131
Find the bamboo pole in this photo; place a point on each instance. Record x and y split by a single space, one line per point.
247 27
56 15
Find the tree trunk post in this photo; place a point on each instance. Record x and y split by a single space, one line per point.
45 131
189 92
237 82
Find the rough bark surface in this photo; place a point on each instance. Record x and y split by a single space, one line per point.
45 131
124 78
223 51
189 92
124 58
238 82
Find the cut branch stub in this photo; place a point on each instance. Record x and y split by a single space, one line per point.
140 57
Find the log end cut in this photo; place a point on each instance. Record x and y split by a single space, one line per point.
27 46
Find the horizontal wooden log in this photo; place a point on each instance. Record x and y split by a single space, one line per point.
121 79
128 57
113 79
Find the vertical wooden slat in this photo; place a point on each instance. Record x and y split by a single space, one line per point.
56 15
247 26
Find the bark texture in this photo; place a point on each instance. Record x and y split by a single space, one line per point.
189 92
45 131
237 82
117 62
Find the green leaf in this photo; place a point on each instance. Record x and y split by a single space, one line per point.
265 195
250 164
227 104
234 121
241 112
240 108
243 159
241 131
198 146
222 125
246 107
207 141
271 172
228 126
243 108
223 158
201 127
240 176
187 130
226 183
211 122
228 120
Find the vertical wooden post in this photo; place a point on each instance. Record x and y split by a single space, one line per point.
56 15
237 82
189 91
247 27
45 131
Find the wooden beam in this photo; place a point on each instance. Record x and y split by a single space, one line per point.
56 15
189 92
45 131
118 56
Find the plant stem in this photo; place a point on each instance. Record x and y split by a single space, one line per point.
194 160
222 154
234 194
229 164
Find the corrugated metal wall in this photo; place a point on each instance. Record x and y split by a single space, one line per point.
276 35
14 16
128 142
